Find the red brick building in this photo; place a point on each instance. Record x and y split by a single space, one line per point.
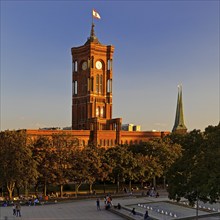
92 121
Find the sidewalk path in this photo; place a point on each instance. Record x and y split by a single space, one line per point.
75 210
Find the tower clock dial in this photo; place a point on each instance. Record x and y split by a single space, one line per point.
98 65
84 65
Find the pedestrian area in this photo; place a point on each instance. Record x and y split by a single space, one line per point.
158 208
76 210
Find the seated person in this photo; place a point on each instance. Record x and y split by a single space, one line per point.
119 206
133 211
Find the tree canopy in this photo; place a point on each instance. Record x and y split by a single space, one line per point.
196 174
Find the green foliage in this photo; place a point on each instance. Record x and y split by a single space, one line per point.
196 174
16 161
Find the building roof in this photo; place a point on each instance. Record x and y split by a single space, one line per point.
179 125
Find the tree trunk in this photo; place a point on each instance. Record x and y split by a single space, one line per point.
45 188
10 188
164 182
18 190
61 190
130 185
90 187
36 188
26 190
104 187
117 190
77 185
154 183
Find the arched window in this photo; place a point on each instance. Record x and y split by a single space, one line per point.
97 84
100 83
97 111
102 112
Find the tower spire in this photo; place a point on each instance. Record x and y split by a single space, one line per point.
179 126
92 37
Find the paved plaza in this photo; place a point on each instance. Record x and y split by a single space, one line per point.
86 210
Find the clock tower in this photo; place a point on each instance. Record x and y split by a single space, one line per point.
92 86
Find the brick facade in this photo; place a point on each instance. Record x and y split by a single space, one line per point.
92 122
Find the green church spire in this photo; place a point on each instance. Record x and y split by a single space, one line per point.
179 126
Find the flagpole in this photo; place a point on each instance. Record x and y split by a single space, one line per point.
92 16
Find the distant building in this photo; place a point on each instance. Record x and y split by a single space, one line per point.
130 127
179 126
127 127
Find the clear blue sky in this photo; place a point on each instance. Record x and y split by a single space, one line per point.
158 45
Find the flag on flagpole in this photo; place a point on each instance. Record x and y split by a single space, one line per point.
95 14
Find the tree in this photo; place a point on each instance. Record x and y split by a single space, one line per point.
16 162
155 157
43 155
63 149
122 162
195 175
92 160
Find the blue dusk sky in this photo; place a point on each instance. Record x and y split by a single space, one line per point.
158 45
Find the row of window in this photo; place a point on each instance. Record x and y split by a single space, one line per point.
99 85
111 143
89 64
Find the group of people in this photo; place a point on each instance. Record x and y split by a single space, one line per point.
16 209
146 216
108 201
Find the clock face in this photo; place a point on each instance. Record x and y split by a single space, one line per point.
84 65
98 65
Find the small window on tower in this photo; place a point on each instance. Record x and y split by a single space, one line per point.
102 111
97 112
97 84
109 64
101 87
73 66
109 85
76 66
75 88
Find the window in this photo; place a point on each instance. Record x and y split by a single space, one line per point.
75 66
97 84
109 65
101 87
109 85
74 87
102 111
97 111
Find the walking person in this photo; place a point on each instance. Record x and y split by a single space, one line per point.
18 210
14 209
98 204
